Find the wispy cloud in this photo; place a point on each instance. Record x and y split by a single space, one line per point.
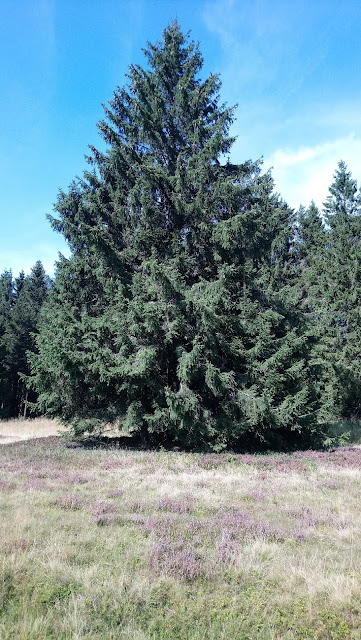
24 260
267 46
305 174
288 65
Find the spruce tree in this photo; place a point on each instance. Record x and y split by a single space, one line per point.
173 315
311 279
342 290
19 283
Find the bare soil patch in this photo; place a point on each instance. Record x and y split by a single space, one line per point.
17 430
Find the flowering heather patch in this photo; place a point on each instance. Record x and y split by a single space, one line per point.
7 485
105 519
36 484
116 493
330 484
70 501
75 478
176 559
309 517
241 525
119 462
177 505
101 508
228 547
138 506
258 495
299 536
211 461
161 525
104 513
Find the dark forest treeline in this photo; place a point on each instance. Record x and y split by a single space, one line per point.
21 299
196 306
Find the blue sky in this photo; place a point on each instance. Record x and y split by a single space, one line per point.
293 67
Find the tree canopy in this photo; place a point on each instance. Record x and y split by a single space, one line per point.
196 308
174 315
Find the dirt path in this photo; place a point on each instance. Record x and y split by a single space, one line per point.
18 430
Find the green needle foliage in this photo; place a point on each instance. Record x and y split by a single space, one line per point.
20 303
328 284
6 290
310 283
176 315
342 291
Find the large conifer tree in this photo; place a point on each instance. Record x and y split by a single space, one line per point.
173 315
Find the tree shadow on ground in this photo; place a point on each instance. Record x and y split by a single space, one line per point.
132 443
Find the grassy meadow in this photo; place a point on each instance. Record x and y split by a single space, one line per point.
110 544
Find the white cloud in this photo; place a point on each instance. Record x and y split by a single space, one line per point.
24 260
305 174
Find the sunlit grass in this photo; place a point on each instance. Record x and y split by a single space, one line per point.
157 545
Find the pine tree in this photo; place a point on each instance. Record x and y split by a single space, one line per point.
173 314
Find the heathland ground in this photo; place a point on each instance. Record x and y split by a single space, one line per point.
113 543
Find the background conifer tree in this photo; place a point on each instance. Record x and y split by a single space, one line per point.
342 290
20 303
310 283
29 295
6 302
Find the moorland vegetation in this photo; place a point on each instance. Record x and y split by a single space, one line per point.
154 545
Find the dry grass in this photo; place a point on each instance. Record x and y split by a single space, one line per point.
163 545
18 429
